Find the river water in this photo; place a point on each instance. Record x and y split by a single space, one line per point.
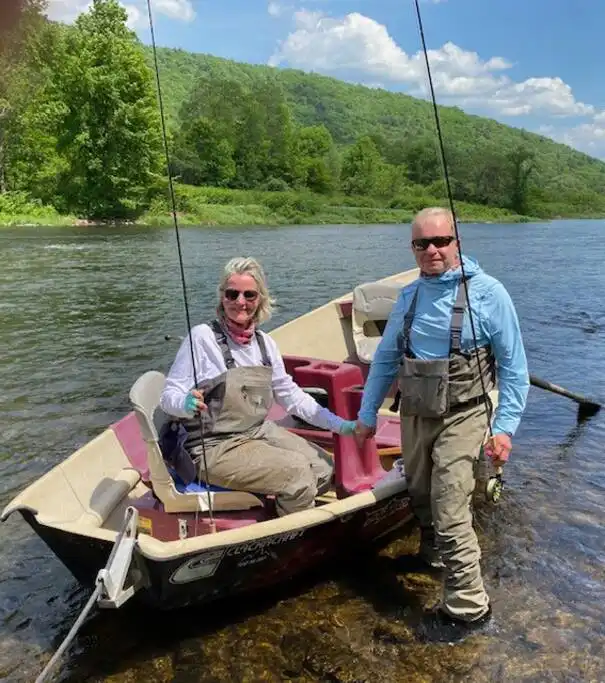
84 311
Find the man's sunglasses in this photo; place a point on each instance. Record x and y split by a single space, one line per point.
423 243
233 294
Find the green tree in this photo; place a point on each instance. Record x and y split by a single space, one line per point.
362 167
421 158
35 164
111 134
202 156
315 163
279 130
523 163
391 180
26 49
252 146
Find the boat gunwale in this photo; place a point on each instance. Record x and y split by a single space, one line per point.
157 550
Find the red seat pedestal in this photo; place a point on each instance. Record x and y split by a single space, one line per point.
354 471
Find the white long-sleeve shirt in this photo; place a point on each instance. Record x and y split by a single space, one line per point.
209 363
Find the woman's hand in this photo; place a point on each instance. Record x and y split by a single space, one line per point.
194 402
347 428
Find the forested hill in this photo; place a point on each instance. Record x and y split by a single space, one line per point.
80 137
560 180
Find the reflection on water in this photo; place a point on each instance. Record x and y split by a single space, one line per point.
85 311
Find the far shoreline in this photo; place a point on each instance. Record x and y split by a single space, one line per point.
247 215
210 207
190 222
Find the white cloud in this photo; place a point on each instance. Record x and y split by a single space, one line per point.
175 9
277 8
587 137
136 18
358 44
68 10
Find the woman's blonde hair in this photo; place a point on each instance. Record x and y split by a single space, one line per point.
246 265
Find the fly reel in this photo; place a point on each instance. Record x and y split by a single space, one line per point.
494 486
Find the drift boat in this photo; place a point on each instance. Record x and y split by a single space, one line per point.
114 514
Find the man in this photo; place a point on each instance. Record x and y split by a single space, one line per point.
444 380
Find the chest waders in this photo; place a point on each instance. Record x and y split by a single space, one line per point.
245 450
443 424
238 400
434 388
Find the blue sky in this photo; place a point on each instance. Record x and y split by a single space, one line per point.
528 63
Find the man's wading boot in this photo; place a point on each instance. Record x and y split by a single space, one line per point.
440 627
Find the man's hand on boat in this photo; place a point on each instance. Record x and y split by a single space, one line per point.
498 448
363 433
194 403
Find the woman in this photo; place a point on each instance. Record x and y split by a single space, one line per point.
238 372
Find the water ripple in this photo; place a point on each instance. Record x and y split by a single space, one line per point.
84 311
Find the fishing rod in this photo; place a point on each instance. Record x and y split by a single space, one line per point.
494 485
175 221
586 407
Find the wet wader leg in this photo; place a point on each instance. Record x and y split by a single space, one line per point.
454 454
318 460
417 441
256 466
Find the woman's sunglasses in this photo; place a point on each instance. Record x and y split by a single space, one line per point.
233 294
423 243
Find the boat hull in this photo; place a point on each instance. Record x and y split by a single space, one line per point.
228 570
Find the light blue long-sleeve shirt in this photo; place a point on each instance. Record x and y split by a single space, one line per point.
495 321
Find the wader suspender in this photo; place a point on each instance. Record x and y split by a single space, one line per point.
455 330
221 340
455 327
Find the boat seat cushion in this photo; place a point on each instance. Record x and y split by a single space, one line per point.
372 304
107 494
195 486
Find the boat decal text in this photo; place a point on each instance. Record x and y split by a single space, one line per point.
263 544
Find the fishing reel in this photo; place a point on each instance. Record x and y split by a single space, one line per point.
489 482
494 486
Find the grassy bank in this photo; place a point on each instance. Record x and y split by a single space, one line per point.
218 206
16 208
211 206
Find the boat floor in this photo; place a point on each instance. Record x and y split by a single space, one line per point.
164 526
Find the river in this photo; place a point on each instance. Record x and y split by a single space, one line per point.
84 311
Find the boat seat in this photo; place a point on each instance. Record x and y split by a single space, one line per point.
174 495
372 304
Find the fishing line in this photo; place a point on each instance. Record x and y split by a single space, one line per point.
450 199
181 266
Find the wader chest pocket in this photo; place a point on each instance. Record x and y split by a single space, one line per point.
424 387
257 397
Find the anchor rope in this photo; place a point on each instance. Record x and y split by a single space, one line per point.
90 603
72 633
450 198
181 266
